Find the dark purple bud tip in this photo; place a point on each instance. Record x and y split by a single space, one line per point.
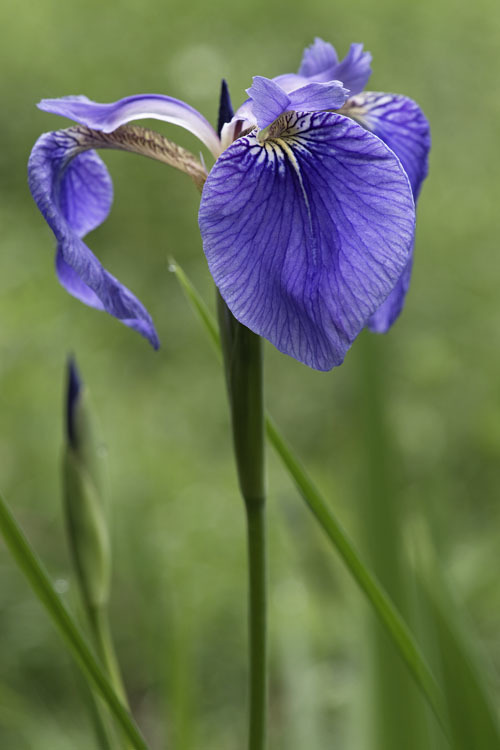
225 107
74 387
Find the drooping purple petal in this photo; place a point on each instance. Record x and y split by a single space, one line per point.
73 191
307 233
320 63
388 312
401 124
109 117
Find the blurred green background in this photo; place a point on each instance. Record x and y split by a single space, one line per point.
404 438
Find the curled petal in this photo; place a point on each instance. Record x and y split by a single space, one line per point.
319 58
307 233
355 69
401 124
269 101
109 117
73 191
320 63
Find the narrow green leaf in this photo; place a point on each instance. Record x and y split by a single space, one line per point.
34 571
473 717
389 616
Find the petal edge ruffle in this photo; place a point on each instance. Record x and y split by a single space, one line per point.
73 191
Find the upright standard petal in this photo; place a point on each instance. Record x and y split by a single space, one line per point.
73 191
269 100
307 232
355 69
318 59
109 117
320 63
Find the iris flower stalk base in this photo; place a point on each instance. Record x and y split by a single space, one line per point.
388 615
242 353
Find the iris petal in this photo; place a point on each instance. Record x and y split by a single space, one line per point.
73 191
317 96
388 312
355 69
320 63
269 100
317 59
402 125
307 233
109 117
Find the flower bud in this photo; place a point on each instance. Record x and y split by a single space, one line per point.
83 496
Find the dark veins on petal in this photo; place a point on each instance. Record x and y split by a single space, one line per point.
307 233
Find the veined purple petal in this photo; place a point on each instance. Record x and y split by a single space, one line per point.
291 81
307 233
320 63
73 191
315 97
319 58
383 318
269 100
109 117
401 124
355 69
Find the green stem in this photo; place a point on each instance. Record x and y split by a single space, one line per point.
101 632
256 532
384 608
32 568
242 353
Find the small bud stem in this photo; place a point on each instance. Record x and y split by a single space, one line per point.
101 633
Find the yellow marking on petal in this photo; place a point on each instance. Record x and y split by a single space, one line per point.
281 147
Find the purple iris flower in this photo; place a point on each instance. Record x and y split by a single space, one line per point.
307 215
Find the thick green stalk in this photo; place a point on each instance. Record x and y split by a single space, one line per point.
242 353
399 632
32 568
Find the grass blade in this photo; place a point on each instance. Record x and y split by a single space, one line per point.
40 582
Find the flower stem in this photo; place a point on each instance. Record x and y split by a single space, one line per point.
256 531
242 353
101 633
396 627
